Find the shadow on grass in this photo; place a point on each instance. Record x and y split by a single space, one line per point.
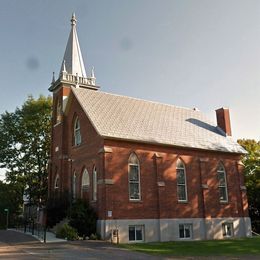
234 247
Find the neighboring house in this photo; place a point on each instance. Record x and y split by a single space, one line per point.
153 172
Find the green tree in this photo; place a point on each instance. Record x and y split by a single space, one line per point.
252 177
25 146
10 198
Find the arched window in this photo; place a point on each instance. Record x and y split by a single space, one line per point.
181 181
77 135
134 177
94 183
222 183
74 179
58 111
85 180
57 182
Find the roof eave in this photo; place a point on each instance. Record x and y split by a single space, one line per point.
169 145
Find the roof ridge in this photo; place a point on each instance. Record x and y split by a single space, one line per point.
149 101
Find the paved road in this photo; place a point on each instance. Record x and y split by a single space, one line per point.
15 245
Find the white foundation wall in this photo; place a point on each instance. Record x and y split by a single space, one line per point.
168 229
241 227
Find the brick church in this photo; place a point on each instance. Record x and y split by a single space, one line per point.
152 171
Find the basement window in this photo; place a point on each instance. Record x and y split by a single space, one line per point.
227 229
136 233
185 230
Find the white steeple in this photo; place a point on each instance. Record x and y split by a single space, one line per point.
72 70
73 56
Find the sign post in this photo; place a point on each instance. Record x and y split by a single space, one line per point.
7 217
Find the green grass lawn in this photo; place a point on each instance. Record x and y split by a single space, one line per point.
234 247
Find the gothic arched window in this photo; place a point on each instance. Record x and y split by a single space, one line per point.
74 180
58 111
222 183
77 135
134 177
94 183
85 180
181 181
57 182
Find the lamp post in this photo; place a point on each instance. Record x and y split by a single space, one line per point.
7 217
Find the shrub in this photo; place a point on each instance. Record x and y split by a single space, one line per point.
67 232
94 237
83 218
57 208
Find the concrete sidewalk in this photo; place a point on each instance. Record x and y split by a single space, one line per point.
50 237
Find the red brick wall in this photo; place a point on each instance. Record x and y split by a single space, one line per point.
201 168
156 202
71 158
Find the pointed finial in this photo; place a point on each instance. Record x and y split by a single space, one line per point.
64 66
93 72
53 77
73 19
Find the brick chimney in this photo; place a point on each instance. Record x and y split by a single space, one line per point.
223 120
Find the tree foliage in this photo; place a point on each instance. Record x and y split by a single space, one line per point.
10 198
83 218
252 175
25 145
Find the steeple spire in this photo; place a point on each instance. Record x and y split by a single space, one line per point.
73 56
72 71
73 19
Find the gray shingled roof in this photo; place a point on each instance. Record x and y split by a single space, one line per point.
129 118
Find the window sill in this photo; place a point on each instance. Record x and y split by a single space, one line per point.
183 201
59 123
76 146
228 237
224 202
136 201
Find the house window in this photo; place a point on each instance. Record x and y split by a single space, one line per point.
77 135
94 183
181 181
57 182
74 179
185 230
222 183
136 233
134 177
227 229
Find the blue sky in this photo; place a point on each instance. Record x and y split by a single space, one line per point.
202 53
